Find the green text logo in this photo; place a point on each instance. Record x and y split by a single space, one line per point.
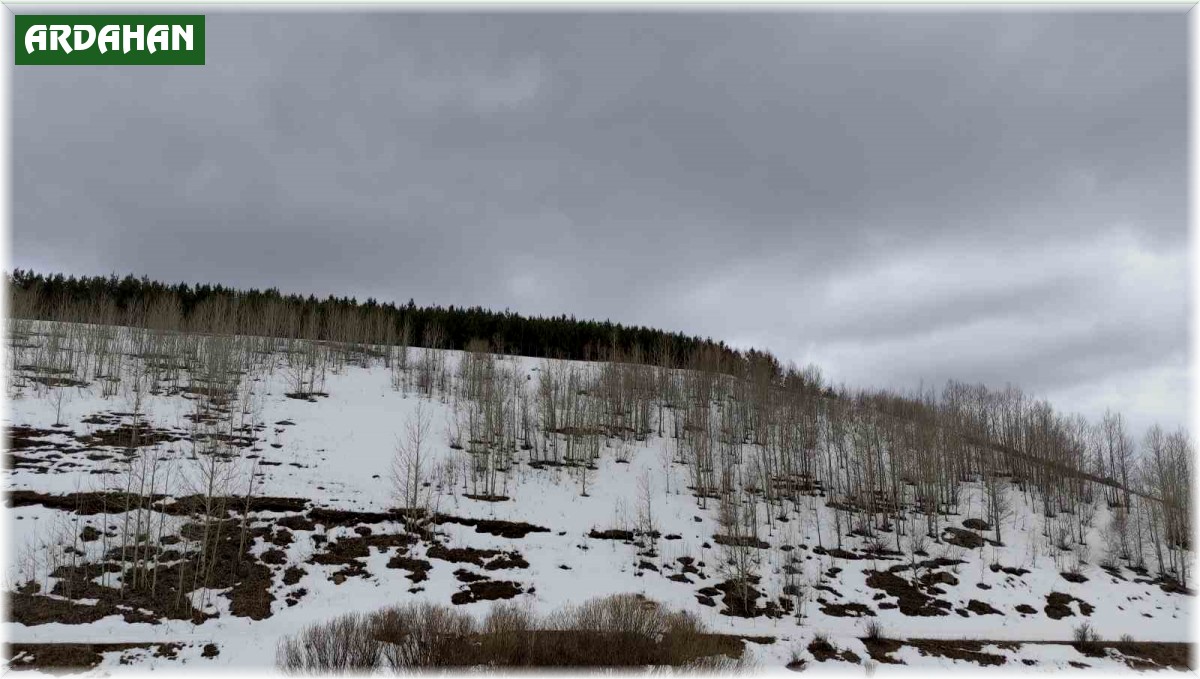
121 39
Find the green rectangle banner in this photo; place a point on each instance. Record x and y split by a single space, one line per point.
109 39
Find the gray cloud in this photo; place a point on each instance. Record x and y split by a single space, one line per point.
900 196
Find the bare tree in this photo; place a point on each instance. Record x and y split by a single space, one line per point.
412 465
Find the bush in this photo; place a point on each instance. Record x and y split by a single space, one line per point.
873 630
1085 635
616 631
344 644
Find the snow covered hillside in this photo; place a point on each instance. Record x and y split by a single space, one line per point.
198 498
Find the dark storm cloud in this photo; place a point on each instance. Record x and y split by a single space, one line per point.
900 197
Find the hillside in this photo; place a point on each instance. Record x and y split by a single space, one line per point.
193 498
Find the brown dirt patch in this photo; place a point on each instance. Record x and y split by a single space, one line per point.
881 650
956 650
504 529
611 534
418 569
822 651
1058 606
911 600
740 541
981 608
64 658
486 590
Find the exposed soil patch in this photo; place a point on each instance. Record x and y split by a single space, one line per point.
35 609
460 554
1148 655
741 597
847 610
486 590
21 437
1073 577
611 534
911 600
1011 570
956 649
976 524
464 575
939 562
160 592
128 436
822 651
504 529
1058 606
981 608
881 650
91 503
64 658
418 569
293 575
310 396
740 541
348 552
960 537
839 553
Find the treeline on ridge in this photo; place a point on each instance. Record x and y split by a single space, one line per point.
141 302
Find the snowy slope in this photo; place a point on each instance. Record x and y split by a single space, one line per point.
336 452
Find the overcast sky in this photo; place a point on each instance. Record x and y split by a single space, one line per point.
898 197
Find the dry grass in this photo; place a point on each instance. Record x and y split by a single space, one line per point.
617 631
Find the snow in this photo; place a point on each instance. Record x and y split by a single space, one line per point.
344 445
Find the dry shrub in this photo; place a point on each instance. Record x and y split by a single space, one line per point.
342 645
617 631
1085 635
420 635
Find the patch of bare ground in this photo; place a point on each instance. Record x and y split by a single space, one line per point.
961 537
91 503
981 608
36 609
740 541
741 599
1150 655
928 564
956 649
881 650
489 559
1058 606
348 552
157 592
21 437
499 528
1138 655
611 534
310 396
911 600
293 575
418 569
486 590
1010 570
56 658
129 436
822 650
